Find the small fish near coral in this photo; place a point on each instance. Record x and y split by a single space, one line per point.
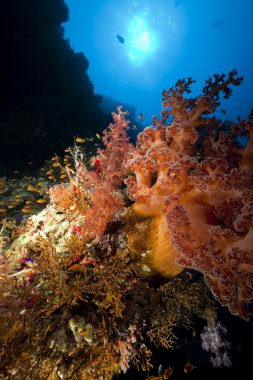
140 117
188 367
162 374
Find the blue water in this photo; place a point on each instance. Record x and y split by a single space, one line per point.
164 40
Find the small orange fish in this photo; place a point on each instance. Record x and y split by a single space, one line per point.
50 171
168 373
56 164
41 200
140 116
67 150
84 332
27 210
188 367
51 177
80 140
40 183
63 176
11 206
31 188
55 158
17 200
75 267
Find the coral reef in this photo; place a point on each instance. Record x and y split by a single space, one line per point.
134 246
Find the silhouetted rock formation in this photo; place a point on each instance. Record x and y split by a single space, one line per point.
46 95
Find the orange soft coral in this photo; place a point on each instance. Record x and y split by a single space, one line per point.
201 207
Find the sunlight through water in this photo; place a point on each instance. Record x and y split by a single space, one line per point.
143 40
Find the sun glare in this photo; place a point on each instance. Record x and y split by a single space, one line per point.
143 41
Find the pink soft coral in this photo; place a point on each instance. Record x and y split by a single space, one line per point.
98 196
102 184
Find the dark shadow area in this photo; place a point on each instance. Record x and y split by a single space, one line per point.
46 95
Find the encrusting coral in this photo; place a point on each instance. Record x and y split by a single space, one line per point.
120 258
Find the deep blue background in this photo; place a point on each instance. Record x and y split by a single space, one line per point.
165 40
